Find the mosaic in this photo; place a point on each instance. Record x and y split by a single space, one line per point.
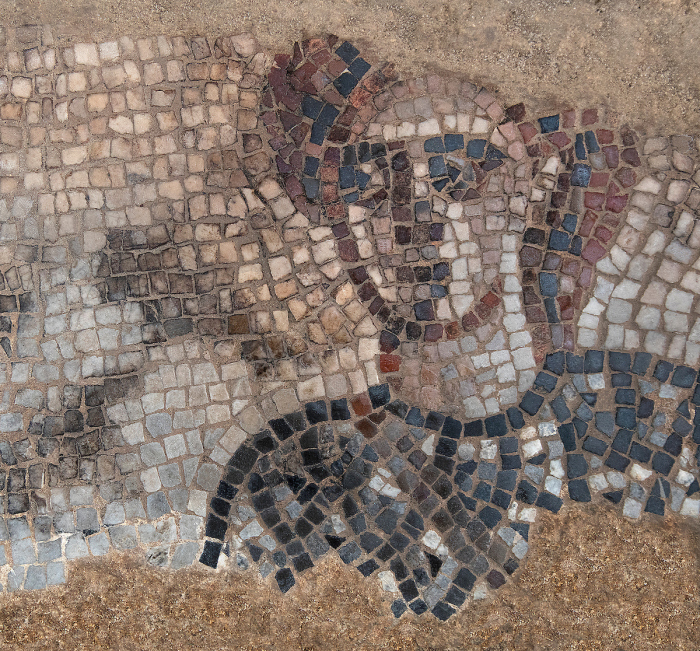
256 310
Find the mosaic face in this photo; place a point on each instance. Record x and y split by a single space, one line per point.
259 310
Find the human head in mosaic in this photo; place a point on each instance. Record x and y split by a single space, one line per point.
293 304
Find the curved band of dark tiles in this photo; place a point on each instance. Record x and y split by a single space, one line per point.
464 501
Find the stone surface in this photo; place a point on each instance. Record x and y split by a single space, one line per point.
315 310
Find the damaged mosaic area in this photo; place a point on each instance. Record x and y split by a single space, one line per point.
257 309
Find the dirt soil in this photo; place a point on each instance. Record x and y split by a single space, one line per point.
594 581
639 57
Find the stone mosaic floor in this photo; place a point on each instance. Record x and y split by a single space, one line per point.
257 309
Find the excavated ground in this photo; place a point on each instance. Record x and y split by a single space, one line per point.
593 581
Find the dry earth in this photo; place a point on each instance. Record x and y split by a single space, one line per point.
639 57
594 582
